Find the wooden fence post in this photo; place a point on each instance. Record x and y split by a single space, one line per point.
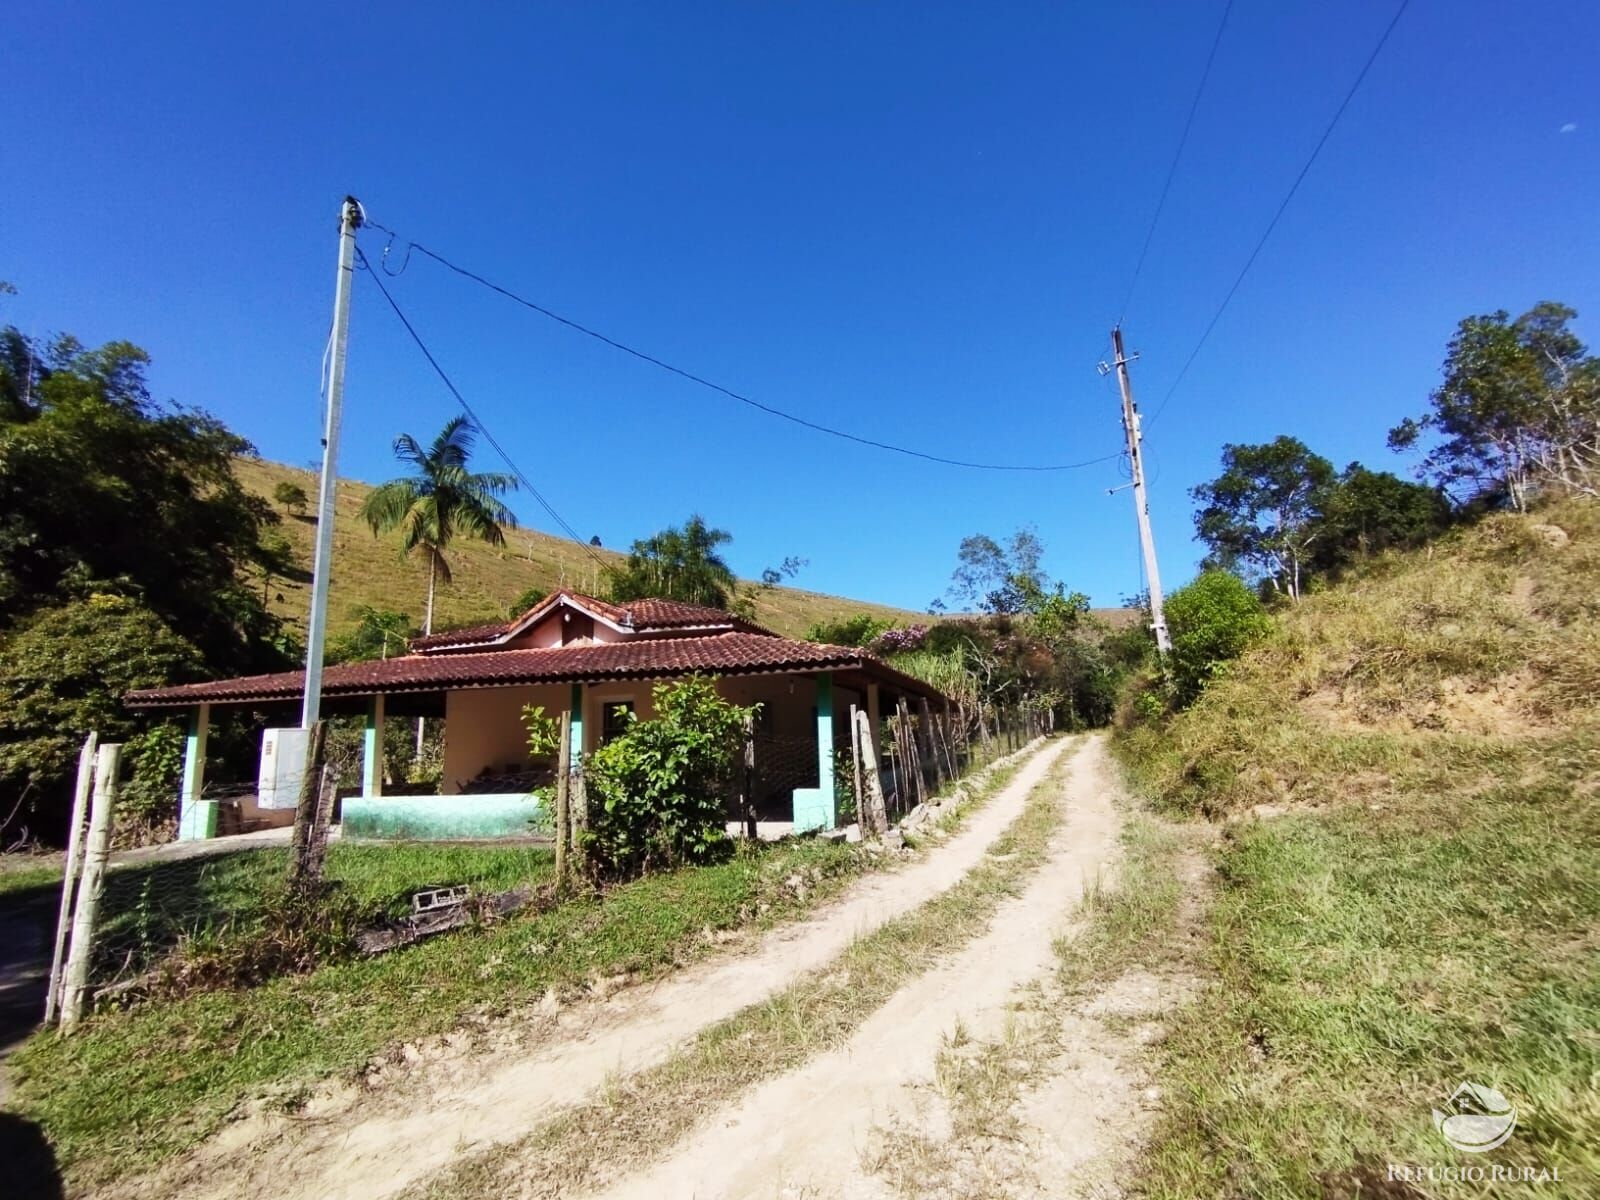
874 812
932 736
69 877
107 767
751 824
563 814
855 763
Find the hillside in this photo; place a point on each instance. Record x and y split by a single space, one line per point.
1406 774
369 570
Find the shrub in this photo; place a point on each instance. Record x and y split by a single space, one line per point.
1212 621
658 793
860 630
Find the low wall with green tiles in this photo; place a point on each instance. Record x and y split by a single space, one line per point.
440 818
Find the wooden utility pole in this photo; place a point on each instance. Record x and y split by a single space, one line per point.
563 817
1141 506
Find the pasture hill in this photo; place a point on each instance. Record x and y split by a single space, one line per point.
370 570
1406 777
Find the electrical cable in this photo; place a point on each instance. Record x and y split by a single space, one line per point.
1273 224
729 392
473 416
1183 140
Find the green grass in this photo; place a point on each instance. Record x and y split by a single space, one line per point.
23 879
1420 906
131 1088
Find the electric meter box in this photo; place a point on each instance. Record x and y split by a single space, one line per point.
283 766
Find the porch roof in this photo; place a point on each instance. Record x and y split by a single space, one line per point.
732 653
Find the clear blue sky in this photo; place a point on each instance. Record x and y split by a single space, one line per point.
915 221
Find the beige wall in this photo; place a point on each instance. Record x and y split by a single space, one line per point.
483 726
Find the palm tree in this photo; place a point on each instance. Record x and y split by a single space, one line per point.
678 564
442 499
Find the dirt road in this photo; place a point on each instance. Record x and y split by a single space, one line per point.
805 1133
356 1142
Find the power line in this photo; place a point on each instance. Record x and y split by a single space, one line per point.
729 392
1183 140
474 417
1272 224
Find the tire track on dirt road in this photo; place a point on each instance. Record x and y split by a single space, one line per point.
803 1134
352 1143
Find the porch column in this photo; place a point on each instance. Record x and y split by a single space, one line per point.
575 718
372 758
197 818
814 808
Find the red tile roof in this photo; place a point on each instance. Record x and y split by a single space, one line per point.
735 652
642 616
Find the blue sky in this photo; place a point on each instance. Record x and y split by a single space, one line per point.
913 221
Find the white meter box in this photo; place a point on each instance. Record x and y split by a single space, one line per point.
283 766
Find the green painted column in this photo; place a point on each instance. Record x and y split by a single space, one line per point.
575 716
372 756
197 818
815 808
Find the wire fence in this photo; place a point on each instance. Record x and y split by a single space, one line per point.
195 914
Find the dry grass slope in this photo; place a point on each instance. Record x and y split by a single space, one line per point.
1408 773
370 570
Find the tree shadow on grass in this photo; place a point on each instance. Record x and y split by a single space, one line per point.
27 1163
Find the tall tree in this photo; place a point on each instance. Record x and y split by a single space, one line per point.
1262 514
103 491
1365 512
996 578
1519 407
441 500
679 563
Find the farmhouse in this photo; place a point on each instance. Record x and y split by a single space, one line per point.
588 662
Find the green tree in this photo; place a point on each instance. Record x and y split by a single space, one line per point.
1364 512
677 564
101 489
441 500
63 673
377 633
1262 513
1212 621
996 578
1519 407
658 793
291 495
529 598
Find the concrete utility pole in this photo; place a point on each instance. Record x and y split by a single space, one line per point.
350 218
1141 507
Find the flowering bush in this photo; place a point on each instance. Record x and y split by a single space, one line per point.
901 641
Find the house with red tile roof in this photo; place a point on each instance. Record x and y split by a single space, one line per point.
586 661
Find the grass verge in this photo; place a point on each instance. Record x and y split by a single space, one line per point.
642 1115
131 1088
1418 904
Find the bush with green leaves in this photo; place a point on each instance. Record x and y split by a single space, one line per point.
63 674
658 793
1212 621
862 629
